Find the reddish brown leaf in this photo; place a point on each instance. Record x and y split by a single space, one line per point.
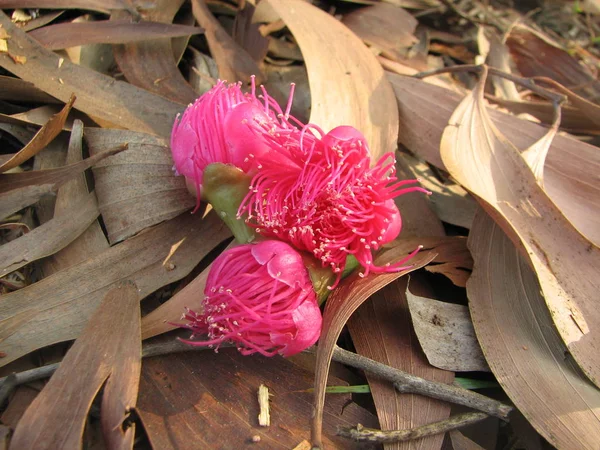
151 65
521 345
480 158
72 34
234 63
360 96
98 95
109 347
56 308
104 6
42 138
15 89
207 400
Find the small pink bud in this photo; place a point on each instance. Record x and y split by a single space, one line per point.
260 297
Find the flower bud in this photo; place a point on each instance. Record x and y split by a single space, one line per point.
259 296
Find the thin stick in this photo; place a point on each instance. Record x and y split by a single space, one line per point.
362 434
410 384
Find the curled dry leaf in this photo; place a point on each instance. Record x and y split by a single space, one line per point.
572 169
97 95
137 188
42 138
50 237
478 156
18 190
521 345
233 61
361 95
56 308
150 64
72 34
109 348
446 334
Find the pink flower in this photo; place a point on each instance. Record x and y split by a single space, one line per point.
322 196
259 296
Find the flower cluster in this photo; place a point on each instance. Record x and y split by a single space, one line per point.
314 195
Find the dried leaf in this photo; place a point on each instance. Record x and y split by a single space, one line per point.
42 138
519 340
233 61
151 65
19 190
343 301
385 27
48 238
499 57
109 348
103 6
98 95
208 400
137 188
446 334
15 89
59 306
361 95
479 157
571 178
72 34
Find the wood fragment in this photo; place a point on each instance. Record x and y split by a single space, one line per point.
264 417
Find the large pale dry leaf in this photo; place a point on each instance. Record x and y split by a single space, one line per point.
387 28
479 157
151 64
234 63
42 138
162 318
207 400
359 93
103 6
59 306
19 190
137 188
381 329
98 95
50 237
92 241
520 343
344 300
499 57
572 170
446 334
108 348
72 34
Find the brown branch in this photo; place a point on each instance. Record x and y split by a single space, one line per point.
362 434
410 384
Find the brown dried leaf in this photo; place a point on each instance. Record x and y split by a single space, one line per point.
19 190
151 65
344 300
479 157
137 188
234 63
59 306
446 334
15 89
361 96
48 238
72 34
519 340
572 170
385 27
103 6
42 138
208 400
108 348
97 95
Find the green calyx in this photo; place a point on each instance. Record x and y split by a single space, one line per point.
224 186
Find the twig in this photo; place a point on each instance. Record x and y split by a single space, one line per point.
410 384
362 434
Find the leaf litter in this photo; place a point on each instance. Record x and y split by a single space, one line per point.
127 219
